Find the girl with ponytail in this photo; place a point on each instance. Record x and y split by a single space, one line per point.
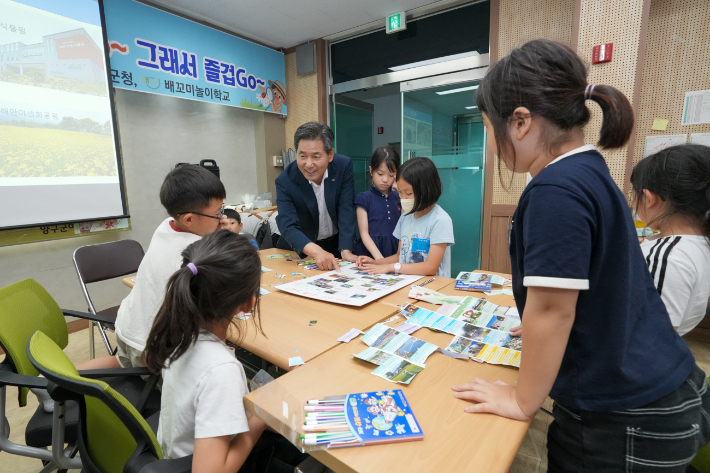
597 338
202 411
672 196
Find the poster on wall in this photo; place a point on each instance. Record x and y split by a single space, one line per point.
157 52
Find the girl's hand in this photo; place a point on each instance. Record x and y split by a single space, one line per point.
497 398
373 268
363 260
517 331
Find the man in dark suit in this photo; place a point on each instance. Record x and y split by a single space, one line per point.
315 197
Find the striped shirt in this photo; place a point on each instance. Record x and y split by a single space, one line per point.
680 267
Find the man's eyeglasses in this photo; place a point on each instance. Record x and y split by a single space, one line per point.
221 213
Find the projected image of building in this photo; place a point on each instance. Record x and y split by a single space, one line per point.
71 54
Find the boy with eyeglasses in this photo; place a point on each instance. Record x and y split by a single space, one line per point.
194 199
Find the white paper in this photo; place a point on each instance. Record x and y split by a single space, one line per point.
696 107
350 286
295 361
656 143
447 309
700 138
285 409
407 328
352 333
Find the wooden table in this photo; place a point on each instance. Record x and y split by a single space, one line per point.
453 439
285 317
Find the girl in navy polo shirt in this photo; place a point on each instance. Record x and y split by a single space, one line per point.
597 337
378 209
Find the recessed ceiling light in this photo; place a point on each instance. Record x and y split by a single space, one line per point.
469 108
428 62
453 91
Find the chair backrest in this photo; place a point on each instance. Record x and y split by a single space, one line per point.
26 307
111 429
107 260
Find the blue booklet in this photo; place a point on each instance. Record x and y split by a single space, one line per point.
380 417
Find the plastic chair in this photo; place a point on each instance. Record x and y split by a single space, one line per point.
26 307
113 437
100 262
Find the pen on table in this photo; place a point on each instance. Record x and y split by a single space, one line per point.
317 402
425 282
324 408
322 435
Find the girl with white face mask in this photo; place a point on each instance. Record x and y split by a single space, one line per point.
425 231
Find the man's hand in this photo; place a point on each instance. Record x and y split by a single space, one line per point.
326 261
347 255
372 268
362 260
497 398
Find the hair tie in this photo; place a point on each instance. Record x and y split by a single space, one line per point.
588 92
193 268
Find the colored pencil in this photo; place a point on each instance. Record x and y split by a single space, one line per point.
317 402
317 428
324 408
343 440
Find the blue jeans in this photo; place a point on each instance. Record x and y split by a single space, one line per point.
663 436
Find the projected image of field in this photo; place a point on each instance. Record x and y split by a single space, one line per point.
40 152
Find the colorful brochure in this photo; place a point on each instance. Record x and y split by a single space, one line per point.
471 281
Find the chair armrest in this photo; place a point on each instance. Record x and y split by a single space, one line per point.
122 372
178 465
88 316
10 378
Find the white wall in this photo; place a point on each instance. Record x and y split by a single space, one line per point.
156 132
388 115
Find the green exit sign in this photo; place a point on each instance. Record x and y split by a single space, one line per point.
396 22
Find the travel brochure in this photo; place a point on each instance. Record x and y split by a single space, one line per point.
349 286
399 355
480 328
469 281
427 295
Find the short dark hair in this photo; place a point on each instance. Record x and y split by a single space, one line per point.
679 175
231 213
550 80
189 188
422 175
228 275
387 155
315 131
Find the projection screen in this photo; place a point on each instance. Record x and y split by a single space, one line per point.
59 155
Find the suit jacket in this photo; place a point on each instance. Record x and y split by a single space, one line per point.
298 209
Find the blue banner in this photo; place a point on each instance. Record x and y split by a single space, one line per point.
157 52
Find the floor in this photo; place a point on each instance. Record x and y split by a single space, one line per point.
532 456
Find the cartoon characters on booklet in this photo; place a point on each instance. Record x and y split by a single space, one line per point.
386 410
272 97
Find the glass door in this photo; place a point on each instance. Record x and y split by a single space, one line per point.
352 124
442 123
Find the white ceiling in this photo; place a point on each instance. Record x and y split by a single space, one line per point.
286 23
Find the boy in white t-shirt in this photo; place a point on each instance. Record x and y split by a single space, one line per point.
672 193
194 199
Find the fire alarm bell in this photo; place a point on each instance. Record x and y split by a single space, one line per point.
380 130
602 53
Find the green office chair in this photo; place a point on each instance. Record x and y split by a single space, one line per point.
26 307
113 437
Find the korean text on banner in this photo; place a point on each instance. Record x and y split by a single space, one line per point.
157 52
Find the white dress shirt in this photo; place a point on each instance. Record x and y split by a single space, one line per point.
325 224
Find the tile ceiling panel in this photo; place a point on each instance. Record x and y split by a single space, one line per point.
283 24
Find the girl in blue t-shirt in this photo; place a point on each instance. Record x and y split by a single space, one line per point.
378 209
425 232
597 338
